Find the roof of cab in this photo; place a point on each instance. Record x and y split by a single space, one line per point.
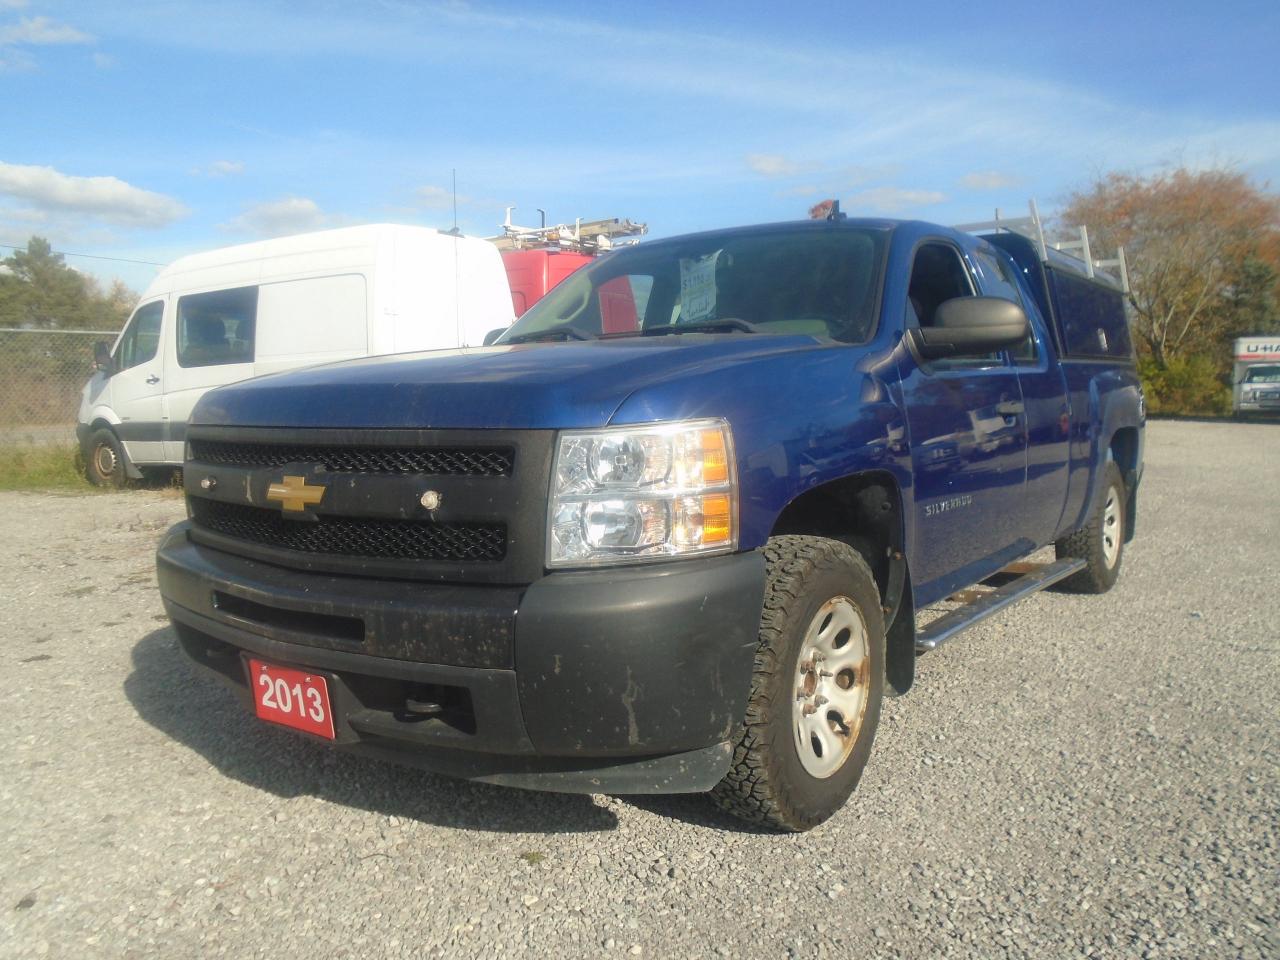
782 226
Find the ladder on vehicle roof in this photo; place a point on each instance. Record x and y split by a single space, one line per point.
583 236
1032 227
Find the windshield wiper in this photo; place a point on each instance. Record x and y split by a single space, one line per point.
563 331
703 326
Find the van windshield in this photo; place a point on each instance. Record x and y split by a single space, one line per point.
1270 374
804 281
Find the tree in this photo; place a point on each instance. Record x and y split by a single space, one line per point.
1251 300
38 291
1203 248
41 372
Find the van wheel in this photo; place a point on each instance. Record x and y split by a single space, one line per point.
105 466
816 690
1100 542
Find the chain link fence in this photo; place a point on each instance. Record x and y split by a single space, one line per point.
41 375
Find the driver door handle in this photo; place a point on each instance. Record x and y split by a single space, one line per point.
153 379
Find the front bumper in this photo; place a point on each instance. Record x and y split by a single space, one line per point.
1258 406
629 680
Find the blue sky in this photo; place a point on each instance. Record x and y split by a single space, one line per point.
149 130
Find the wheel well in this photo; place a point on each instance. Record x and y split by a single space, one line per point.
1124 451
865 511
99 423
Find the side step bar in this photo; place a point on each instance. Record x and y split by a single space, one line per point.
1030 578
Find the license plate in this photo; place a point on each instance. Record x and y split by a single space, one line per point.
293 698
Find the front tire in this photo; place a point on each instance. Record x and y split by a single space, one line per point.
105 463
1100 543
816 690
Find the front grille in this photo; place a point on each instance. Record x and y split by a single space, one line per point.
429 461
353 536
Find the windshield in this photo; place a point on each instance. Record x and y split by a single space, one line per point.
1262 375
805 281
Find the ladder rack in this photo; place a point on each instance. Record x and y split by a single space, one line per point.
1032 227
583 236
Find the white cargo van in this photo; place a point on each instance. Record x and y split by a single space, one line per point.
243 311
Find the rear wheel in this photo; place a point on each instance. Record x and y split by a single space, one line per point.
105 464
816 692
1100 543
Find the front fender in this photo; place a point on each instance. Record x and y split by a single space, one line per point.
799 421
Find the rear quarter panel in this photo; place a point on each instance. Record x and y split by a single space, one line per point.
1104 398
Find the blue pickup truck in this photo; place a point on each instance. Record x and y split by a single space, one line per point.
674 529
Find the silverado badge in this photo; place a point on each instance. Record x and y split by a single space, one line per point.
295 494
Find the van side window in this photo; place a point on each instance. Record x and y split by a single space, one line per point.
938 275
217 327
142 338
1000 280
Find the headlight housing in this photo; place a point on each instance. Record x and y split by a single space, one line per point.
642 493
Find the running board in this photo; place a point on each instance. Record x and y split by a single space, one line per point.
1031 578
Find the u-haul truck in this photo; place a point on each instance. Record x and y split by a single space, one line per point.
1256 377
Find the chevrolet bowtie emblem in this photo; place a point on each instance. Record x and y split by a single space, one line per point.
295 494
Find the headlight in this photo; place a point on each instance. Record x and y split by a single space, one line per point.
642 493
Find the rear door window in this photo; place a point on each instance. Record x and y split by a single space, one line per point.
217 327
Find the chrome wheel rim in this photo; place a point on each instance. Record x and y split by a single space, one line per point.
104 458
1112 528
833 676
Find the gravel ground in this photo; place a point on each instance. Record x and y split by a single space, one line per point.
1080 776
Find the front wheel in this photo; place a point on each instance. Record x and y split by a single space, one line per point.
816 690
105 464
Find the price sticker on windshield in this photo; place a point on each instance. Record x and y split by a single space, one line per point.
698 288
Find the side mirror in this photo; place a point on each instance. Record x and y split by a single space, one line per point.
493 335
971 326
102 357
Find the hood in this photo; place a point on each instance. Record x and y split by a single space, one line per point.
523 386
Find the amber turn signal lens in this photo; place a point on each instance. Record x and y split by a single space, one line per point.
715 459
717 520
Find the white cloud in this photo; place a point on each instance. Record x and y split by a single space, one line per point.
806 100
891 200
106 199
989 180
219 168
12 4
32 32
41 31
437 198
773 165
279 218
104 61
